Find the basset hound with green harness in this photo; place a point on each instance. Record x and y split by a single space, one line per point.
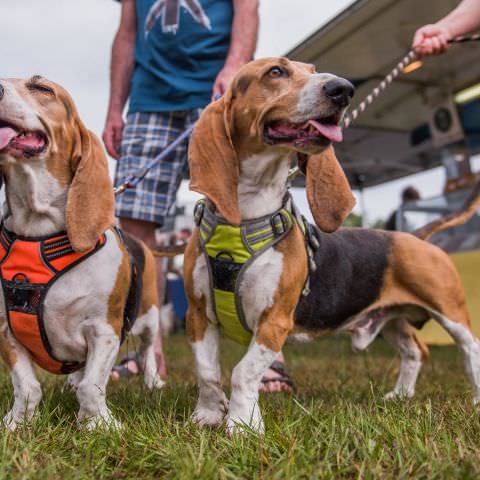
256 273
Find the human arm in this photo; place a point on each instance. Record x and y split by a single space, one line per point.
433 39
121 71
242 45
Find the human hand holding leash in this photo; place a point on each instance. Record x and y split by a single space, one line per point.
433 39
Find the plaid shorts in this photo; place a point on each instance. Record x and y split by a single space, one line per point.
145 135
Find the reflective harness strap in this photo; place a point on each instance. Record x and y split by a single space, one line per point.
229 251
28 268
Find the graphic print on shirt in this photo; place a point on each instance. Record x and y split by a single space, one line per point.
169 10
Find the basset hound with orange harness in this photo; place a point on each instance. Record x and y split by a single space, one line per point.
72 284
257 272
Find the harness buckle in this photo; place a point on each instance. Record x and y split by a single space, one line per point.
198 212
278 224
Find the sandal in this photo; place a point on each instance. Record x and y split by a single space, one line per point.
122 368
284 376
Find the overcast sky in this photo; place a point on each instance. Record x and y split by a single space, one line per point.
69 41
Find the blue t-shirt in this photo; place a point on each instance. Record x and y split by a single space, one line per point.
180 48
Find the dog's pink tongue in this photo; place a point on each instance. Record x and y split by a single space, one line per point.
6 136
332 132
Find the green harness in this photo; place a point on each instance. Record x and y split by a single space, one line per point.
230 250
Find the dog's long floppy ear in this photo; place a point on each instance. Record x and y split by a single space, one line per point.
90 201
328 191
213 162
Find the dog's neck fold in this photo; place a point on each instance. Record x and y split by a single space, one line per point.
263 182
36 200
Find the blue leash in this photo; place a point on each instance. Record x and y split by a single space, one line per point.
133 179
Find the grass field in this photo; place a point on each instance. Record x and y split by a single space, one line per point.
336 426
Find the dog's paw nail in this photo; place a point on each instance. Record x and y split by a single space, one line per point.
393 395
207 418
10 422
156 382
239 427
96 422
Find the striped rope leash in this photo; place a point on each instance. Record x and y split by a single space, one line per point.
475 37
404 62
382 86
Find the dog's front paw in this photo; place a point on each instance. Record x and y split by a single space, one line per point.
247 420
241 426
104 421
208 418
11 421
100 423
154 382
211 413
398 394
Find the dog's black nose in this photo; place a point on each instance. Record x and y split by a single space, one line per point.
340 91
2 91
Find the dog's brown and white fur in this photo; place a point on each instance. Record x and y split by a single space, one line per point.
65 186
366 281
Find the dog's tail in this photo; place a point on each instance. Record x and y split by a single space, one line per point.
170 251
461 216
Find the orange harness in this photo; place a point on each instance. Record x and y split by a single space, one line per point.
29 266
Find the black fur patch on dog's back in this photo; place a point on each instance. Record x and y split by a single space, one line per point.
137 266
351 265
135 249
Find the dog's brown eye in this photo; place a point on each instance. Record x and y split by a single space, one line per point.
277 72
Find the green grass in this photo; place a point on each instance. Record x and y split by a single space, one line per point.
336 426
